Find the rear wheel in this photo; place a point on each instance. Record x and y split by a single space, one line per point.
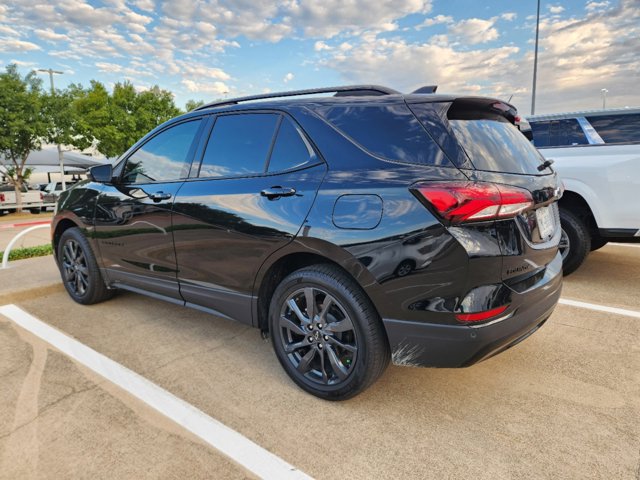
326 333
79 269
575 243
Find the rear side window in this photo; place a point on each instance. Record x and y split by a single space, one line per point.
291 150
558 133
617 128
497 146
388 131
239 145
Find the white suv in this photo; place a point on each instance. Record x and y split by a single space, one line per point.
597 154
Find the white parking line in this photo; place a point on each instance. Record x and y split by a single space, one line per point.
599 308
632 245
250 455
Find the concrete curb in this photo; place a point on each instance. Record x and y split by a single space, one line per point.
29 278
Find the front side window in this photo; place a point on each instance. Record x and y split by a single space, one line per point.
166 157
239 145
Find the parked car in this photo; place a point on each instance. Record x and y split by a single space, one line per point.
295 215
52 191
597 154
31 199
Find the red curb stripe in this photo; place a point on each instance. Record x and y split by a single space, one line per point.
25 224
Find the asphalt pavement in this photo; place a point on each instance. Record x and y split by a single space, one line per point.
565 403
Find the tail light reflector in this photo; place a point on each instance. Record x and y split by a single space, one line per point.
460 202
2 198
480 316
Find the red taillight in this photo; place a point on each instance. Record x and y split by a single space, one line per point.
41 196
480 316
2 197
460 202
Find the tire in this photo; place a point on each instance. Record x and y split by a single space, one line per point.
597 243
79 270
575 243
339 358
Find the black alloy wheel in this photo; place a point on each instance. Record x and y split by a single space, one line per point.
326 333
575 241
75 269
79 269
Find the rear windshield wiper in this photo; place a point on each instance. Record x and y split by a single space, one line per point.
545 164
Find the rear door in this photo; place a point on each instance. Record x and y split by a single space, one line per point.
133 216
250 196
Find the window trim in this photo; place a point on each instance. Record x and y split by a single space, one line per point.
190 155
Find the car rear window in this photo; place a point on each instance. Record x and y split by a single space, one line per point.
389 131
497 146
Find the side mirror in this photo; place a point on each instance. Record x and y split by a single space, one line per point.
101 173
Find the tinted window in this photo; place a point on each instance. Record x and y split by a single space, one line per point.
165 157
558 133
540 131
617 128
290 150
388 131
497 146
239 145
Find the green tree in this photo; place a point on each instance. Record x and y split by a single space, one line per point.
118 120
22 126
193 104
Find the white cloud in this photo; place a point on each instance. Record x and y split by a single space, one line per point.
320 45
215 88
146 5
475 30
509 16
49 34
21 63
288 77
592 6
555 8
437 20
14 45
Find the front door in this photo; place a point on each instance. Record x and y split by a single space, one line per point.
133 215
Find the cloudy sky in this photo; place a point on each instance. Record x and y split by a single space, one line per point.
208 49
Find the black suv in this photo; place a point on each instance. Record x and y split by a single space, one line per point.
354 229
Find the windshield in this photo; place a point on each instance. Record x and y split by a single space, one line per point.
497 146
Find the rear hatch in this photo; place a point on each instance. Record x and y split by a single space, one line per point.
496 152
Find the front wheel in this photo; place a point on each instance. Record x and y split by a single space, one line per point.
575 242
326 333
79 269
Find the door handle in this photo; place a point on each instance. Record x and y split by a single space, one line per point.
277 192
159 196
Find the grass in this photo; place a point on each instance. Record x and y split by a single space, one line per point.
29 252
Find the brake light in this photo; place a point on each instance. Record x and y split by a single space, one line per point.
2 197
480 316
460 202
41 196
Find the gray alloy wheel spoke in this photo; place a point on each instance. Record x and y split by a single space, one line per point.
311 302
339 369
286 323
325 377
344 325
295 309
326 305
346 346
292 347
78 284
305 362
68 252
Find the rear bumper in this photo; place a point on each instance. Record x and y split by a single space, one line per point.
433 345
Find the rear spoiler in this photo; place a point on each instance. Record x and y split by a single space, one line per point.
477 108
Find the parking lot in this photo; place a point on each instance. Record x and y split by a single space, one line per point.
563 404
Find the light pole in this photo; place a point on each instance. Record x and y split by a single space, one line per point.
604 92
51 71
535 64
